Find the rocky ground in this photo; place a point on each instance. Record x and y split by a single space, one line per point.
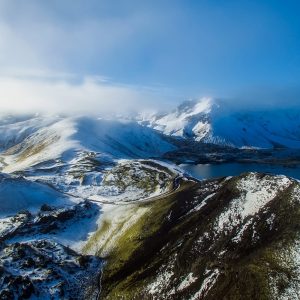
33 265
43 269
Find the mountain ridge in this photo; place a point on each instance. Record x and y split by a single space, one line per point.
131 226
215 121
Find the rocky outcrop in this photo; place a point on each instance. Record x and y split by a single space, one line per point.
44 269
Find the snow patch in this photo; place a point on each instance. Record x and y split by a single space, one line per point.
255 193
207 284
187 282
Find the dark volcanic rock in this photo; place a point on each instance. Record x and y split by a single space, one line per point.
46 270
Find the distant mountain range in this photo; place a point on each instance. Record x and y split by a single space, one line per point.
212 121
26 142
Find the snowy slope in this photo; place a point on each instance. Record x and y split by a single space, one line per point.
263 129
190 119
218 122
120 138
18 194
38 140
15 128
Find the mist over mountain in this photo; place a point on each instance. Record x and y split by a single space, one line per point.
215 121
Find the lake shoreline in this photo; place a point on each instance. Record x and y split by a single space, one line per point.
221 169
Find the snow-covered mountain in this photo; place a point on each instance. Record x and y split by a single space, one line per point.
85 207
190 119
39 139
212 121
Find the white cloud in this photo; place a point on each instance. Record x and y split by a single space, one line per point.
42 45
91 95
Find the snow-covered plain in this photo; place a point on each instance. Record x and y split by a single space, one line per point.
18 194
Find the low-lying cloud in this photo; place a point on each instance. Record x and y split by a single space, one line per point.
56 95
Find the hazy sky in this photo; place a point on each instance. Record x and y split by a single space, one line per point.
108 53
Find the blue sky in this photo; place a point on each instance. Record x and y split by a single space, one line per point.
152 50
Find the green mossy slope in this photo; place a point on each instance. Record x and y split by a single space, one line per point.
251 258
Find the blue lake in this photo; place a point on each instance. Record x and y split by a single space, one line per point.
231 169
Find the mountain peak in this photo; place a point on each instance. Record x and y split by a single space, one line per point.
215 121
196 106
